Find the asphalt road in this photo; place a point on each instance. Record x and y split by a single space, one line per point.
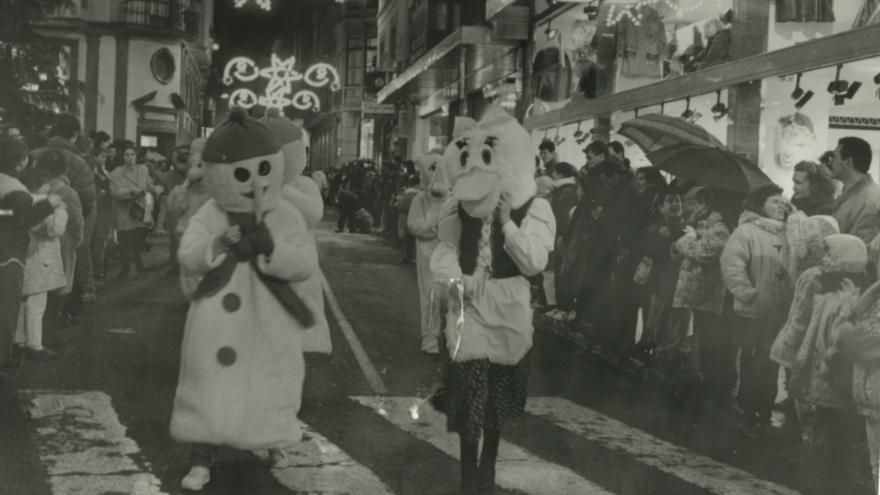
96 421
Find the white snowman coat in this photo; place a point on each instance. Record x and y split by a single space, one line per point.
303 193
242 367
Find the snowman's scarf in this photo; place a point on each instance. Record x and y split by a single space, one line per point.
245 252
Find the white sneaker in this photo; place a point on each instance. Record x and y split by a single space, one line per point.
279 459
196 478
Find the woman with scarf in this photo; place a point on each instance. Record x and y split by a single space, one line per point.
128 183
700 289
753 272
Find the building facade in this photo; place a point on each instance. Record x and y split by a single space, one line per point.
144 65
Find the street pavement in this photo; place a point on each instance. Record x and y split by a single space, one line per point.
96 421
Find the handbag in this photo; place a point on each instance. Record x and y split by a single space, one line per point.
138 208
643 271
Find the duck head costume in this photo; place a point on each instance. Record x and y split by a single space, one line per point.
488 160
244 166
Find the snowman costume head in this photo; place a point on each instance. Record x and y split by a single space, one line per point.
490 160
293 144
244 166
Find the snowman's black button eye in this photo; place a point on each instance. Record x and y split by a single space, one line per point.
265 168
242 174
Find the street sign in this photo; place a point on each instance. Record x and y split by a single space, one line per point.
371 108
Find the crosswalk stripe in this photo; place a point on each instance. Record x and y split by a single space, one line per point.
83 445
696 469
319 466
517 469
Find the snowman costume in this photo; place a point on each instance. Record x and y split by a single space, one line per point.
498 235
429 205
305 195
242 366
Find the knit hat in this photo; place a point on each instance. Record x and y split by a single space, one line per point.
285 130
238 138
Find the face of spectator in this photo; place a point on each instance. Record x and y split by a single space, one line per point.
22 165
839 165
14 133
546 156
671 207
801 184
594 159
129 156
775 207
101 158
640 183
111 153
105 146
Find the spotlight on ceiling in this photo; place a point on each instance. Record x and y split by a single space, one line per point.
877 78
804 99
719 110
798 91
688 113
841 89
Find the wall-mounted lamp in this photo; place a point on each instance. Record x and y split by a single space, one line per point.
551 32
688 113
842 89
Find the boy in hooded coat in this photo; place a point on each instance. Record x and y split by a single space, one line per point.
242 365
500 235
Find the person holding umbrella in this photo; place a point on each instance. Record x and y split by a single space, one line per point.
754 273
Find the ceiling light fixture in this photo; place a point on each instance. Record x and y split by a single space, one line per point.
551 32
688 113
804 99
720 109
841 89
798 91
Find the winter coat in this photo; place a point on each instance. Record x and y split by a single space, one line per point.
814 205
655 243
562 200
811 328
752 267
18 213
242 366
124 185
497 315
44 268
303 194
73 235
866 369
700 285
803 246
857 209
78 171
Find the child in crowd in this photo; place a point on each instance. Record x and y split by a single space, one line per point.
184 201
43 270
19 211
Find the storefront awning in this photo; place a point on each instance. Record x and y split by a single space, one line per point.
441 66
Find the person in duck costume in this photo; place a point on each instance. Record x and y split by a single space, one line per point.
429 205
242 366
305 195
499 234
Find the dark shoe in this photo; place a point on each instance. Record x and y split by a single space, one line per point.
41 355
486 479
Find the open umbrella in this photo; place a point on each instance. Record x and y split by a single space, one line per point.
655 131
709 166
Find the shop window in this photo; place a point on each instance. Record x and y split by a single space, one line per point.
552 75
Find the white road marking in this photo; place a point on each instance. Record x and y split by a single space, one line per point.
83 445
369 371
517 469
319 466
667 457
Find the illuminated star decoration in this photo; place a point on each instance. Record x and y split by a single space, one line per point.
281 75
264 4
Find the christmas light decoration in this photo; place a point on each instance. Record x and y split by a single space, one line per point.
264 4
281 75
618 12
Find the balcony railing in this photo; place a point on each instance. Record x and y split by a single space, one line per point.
176 15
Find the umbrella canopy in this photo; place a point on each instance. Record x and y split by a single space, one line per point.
655 131
709 166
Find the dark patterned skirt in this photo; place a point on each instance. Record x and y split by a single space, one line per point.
478 394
